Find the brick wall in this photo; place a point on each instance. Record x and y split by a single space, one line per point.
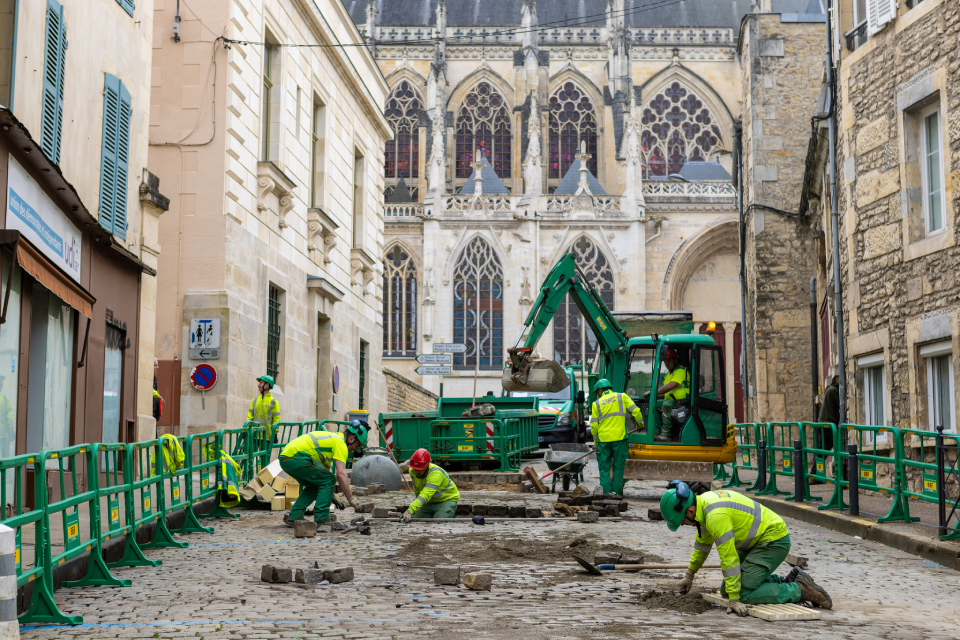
404 394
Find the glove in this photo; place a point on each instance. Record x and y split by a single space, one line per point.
406 517
338 502
687 582
646 396
737 607
355 504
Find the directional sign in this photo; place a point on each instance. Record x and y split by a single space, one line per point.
433 371
204 354
434 358
203 377
449 347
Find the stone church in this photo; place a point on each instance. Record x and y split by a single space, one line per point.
526 129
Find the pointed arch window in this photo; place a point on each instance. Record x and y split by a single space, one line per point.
399 303
572 120
568 326
402 154
478 306
676 126
484 121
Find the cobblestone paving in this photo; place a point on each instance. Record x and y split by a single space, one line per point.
212 589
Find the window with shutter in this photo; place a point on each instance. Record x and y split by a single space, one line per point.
127 5
54 65
879 13
114 160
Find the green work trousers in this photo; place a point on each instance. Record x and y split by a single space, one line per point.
316 484
445 509
758 584
665 422
612 456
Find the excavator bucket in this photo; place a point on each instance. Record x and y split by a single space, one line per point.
527 374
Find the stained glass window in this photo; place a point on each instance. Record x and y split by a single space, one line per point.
572 120
484 121
676 126
399 303
402 155
568 325
478 292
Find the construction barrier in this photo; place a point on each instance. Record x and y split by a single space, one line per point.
780 459
822 456
868 456
748 435
929 473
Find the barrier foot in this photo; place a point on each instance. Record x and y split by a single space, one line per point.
899 510
97 574
163 538
220 511
735 480
955 535
44 610
132 555
720 472
191 524
771 488
836 500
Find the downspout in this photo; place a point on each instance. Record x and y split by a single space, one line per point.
744 379
814 376
835 221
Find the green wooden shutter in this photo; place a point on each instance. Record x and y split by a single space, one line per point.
127 5
108 156
54 67
123 161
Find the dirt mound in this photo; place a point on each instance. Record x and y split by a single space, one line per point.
691 603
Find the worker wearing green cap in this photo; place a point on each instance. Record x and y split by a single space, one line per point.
264 408
752 541
608 425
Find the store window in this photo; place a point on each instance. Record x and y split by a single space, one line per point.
9 363
112 376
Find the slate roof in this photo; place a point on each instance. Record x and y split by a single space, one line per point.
568 186
491 183
705 172
400 195
486 13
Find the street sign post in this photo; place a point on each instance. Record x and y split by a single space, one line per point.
433 371
434 358
449 347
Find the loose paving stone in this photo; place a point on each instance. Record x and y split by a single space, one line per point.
339 526
534 512
309 576
464 509
497 511
336 576
588 516
360 491
446 575
607 557
478 581
381 512
515 511
269 573
654 514
365 507
304 528
480 509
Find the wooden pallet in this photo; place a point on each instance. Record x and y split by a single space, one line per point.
770 612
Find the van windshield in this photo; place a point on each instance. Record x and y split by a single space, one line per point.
563 394
640 372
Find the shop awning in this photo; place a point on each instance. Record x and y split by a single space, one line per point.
33 262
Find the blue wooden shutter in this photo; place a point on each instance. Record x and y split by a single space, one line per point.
108 156
54 67
127 5
123 161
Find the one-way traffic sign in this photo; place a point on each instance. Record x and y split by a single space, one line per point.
433 371
434 358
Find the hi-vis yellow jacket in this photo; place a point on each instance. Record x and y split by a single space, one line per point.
608 416
733 522
436 486
265 410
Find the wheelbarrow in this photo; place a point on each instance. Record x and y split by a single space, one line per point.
560 454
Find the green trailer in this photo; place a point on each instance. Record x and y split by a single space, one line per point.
500 439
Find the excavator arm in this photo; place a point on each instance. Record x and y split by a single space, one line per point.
566 278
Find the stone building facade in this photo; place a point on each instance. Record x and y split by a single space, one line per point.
634 97
404 394
778 50
275 138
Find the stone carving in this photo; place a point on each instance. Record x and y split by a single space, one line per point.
633 202
532 169
265 185
437 167
428 288
286 205
525 289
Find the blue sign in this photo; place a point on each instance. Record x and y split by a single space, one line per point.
203 377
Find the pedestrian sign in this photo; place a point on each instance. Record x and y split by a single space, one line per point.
205 333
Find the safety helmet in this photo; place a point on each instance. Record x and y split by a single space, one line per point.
358 429
420 460
671 353
674 503
268 379
601 384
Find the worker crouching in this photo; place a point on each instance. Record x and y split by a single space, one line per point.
752 542
437 495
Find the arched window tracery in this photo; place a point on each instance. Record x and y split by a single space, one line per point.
478 294
402 154
568 324
399 303
572 120
483 120
676 126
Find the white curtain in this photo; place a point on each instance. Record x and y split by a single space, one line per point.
112 368
59 373
9 363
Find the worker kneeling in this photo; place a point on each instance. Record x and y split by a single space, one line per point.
318 461
608 425
437 495
751 540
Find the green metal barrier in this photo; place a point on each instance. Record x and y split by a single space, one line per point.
178 491
821 457
202 455
868 459
782 464
928 471
470 439
113 486
720 472
234 442
146 478
748 435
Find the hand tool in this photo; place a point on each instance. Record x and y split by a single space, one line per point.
538 480
595 569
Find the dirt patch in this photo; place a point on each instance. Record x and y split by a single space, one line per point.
482 547
690 603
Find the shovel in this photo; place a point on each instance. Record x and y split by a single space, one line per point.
595 569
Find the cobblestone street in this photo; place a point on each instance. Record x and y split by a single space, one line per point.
212 589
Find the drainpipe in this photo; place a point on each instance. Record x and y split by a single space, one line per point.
814 376
744 379
835 221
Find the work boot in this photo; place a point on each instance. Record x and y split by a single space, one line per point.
661 438
812 592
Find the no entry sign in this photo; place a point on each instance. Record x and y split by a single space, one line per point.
203 377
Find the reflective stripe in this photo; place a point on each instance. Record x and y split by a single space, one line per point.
420 500
699 546
736 506
620 404
757 516
732 571
753 510
726 537
431 486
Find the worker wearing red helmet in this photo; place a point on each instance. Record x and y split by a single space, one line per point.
437 495
675 390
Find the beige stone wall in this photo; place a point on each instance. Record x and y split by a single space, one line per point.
781 67
404 394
